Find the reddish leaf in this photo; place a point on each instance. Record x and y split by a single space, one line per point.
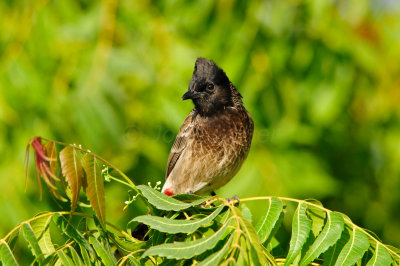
71 168
51 152
45 159
42 161
36 143
94 186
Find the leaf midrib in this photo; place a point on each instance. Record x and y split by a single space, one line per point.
169 202
194 222
323 238
191 246
352 243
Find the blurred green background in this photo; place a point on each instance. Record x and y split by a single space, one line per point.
320 78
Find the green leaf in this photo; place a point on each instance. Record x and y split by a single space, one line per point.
275 248
354 249
394 250
75 256
317 215
253 240
71 231
71 168
301 227
246 212
189 197
12 239
330 256
105 256
254 257
134 260
67 261
85 255
94 187
381 256
30 237
164 202
266 224
214 258
126 243
6 255
156 237
171 226
41 229
185 250
330 234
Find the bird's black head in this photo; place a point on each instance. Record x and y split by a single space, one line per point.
209 88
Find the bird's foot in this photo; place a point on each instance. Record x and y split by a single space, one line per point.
207 204
234 199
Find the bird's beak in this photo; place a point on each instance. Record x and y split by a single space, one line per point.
190 95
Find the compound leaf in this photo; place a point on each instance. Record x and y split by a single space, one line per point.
171 226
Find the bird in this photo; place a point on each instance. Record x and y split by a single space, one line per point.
214 139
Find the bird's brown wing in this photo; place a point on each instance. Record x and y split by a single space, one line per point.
179 144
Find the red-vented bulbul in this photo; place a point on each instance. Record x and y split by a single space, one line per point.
215 137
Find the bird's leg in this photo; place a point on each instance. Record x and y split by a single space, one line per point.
205 203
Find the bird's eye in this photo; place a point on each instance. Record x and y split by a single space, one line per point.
210 86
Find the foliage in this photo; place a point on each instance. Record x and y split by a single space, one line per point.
184 229
320 78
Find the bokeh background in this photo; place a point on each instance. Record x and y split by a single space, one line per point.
320 78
